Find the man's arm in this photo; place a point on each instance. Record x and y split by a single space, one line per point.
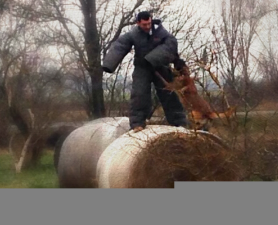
164 53
117 52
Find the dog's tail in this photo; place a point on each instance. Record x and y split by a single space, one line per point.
227 114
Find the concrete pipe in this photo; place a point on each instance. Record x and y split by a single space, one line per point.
82 148
160 155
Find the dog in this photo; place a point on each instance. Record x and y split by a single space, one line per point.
200 112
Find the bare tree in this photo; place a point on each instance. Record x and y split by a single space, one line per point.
236 64
268 67
24 87
267 59
85 40
233 40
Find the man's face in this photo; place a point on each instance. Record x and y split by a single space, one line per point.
145 25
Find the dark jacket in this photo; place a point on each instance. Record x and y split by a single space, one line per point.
159 49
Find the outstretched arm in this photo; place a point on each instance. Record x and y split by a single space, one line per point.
117 52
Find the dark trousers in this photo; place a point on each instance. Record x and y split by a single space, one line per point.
141 102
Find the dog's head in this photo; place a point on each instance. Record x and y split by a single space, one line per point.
184 71
180 67
198 121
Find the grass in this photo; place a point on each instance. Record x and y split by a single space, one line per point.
41 176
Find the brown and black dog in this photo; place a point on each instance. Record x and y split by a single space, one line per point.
200 112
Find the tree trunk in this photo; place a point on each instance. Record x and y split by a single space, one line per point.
97 94
92 48
19 165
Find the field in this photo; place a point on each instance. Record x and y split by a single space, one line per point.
41 176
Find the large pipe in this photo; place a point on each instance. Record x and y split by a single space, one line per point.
160 155
82 148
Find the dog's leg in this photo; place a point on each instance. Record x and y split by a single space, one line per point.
168 85
162 79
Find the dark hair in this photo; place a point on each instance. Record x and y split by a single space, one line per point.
145 15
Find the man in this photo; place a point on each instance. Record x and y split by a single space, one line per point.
154 49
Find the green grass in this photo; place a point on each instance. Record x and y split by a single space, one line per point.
41 176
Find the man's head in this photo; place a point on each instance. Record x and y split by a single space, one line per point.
144 21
